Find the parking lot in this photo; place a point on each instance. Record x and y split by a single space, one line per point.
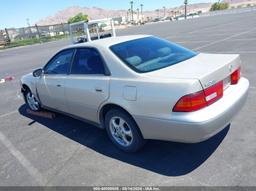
64 151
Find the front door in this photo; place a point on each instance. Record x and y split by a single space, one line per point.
51 85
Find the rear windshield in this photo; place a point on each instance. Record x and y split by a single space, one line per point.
150 53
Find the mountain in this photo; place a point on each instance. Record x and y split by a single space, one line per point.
239 1
93 12
98 13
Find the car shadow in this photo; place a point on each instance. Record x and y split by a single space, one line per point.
166 158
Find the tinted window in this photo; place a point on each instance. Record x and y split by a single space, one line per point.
87 61
60 63
150 53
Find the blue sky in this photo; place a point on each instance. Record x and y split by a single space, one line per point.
13 13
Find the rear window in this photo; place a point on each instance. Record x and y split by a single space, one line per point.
150 53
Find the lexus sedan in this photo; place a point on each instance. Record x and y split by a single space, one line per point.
140 87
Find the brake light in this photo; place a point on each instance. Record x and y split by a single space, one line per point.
235 76
191 102
199 100
214 92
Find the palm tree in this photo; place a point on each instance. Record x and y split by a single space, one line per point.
164 10
128 14
157 10
131 2
141 8
138 13
186 3
141 11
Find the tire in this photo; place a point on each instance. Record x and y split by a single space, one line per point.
31 101
123 131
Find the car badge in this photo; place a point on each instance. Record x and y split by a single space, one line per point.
230 67
210 83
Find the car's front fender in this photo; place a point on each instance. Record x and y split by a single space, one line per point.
30 81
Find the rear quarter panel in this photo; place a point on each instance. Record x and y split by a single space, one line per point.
154 98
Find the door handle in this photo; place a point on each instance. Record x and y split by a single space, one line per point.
58 85
98 90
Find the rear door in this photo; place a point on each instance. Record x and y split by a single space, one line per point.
51 85
87 86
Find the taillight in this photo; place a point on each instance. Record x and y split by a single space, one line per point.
199 100
214 92
235 76
191 102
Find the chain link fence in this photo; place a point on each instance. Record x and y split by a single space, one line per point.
11 37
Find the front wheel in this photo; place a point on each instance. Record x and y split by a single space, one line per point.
123 131
31 100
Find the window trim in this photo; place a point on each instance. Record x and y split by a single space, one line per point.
106 69
72 59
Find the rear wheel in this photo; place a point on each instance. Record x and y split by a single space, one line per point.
31 100
123 131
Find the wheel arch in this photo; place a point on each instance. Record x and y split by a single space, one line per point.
24 87
107 107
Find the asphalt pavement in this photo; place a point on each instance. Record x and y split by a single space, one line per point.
64 151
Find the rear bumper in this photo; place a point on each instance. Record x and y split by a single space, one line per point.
200 125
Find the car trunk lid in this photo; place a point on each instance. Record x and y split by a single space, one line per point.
209 69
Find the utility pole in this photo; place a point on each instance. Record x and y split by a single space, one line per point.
164 10
37 30
63 29
29 27
185 3
132 9
138 14
7 35
28 22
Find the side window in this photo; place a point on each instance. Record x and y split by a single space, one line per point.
60 63
87 61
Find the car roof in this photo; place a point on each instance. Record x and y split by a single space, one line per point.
107 42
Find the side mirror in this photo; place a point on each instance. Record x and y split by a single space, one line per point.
37 72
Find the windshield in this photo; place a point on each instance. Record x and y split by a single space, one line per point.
150 53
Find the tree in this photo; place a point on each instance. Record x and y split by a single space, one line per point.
186 3
77 18
219 6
